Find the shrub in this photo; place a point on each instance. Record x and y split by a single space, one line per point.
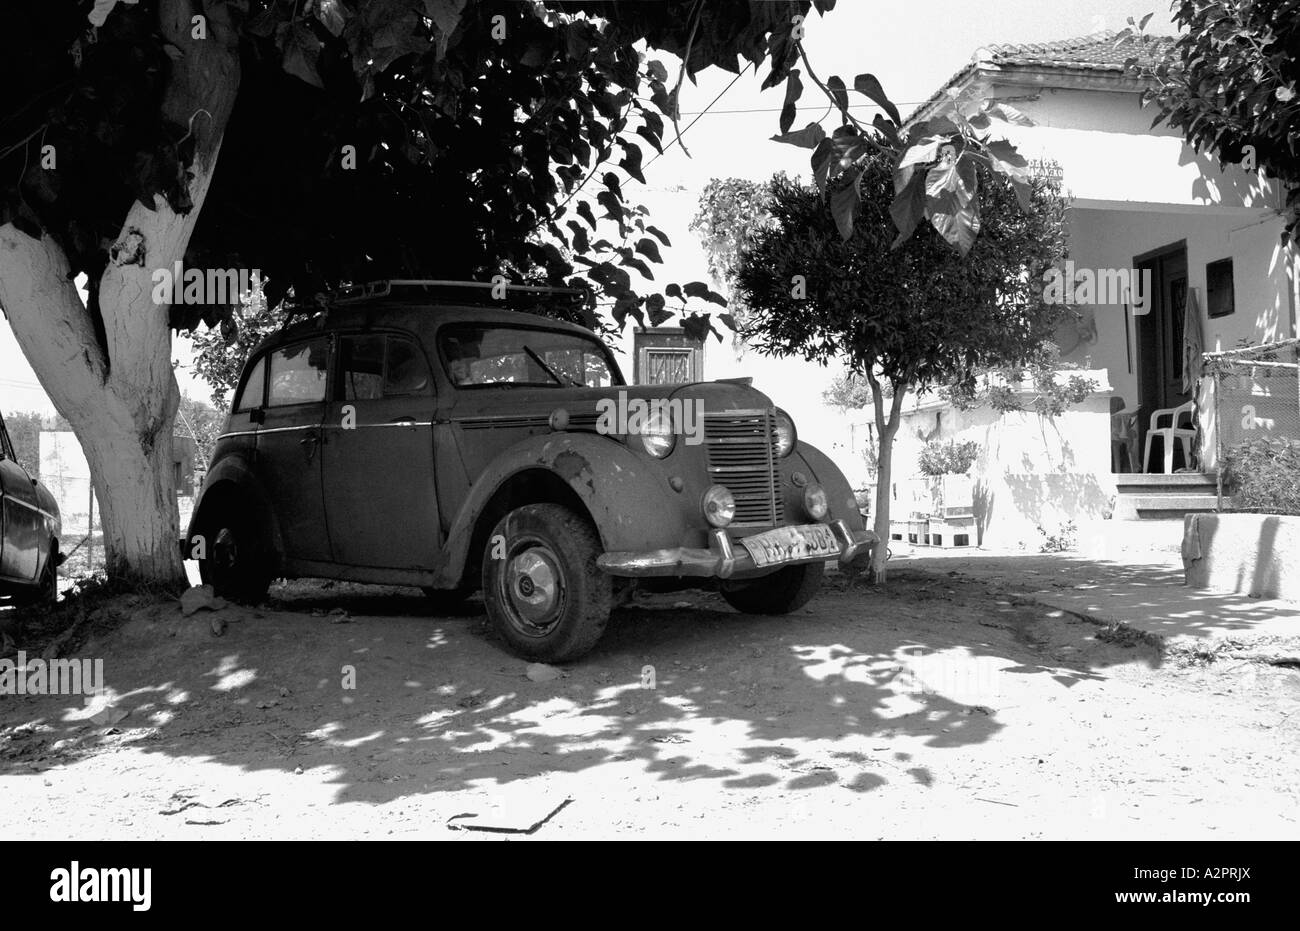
949 458
1265 475
1064 539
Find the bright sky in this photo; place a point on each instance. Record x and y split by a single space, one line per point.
912 48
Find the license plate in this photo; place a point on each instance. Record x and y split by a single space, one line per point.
788 544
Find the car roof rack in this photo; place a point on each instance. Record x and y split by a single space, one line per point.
384 288
353 294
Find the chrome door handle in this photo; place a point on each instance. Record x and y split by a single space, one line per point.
404 421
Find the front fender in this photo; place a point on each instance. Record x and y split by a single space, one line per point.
624 494
235 473
839 494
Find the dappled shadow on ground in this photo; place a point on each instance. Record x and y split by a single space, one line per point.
681 687
1150 595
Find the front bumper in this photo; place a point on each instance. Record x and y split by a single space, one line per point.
723 558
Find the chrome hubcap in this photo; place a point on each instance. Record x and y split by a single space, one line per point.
534 588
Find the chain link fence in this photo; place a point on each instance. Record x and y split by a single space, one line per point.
1255 399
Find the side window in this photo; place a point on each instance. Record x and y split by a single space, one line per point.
251 396
407 372
361 368
298 374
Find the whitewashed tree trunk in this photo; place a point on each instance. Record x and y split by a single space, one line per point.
886 429
120 396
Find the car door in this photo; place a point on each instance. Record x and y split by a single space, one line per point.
289 445
380 491
21 523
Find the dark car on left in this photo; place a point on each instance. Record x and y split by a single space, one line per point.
29 532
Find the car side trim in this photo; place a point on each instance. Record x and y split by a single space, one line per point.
30 507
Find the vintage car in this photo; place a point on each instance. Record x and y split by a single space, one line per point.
29 532
426 439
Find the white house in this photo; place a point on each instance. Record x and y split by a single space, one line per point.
1206 234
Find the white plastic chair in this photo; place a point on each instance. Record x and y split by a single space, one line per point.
1171 434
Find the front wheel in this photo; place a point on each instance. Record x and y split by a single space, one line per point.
543 592
236 563
783 591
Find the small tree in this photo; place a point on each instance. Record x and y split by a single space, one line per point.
916 317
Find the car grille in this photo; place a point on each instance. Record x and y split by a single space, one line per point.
741 453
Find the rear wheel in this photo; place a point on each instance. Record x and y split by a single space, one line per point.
237 559
783 591
544 594
47 587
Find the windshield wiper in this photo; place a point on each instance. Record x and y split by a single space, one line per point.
550 371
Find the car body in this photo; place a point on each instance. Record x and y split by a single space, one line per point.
30 527
444 445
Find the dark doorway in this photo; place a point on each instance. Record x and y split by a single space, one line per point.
1160 338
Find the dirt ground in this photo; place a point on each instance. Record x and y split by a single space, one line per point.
941 707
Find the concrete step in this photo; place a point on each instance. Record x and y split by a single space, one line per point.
1159 483
1162 506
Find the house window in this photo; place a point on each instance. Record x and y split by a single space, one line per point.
1218 288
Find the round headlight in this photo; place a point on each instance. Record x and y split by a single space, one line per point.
814 501
784 433
719 506
657 436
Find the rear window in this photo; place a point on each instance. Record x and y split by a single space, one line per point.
496 355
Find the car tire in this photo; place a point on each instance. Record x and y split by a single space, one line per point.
545 596
237 561
46 592
783 591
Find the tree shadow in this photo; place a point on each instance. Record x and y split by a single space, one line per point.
439 707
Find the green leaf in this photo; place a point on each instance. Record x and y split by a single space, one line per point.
1007 113
658 234
704 292
585 211
867 85
657 70
844 207
957 223
649 249
1007 160
301 49
807 138
655 310
793 89
446 14
631 161
674 290
822 157
839 93
908 206
580 241
924 151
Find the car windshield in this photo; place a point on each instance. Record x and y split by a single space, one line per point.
495 355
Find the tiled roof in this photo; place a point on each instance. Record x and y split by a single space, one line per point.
1099 51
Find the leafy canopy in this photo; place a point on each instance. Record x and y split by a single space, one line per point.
375 138
919 316
1231 83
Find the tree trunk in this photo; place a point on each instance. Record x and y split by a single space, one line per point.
886 429
120 395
